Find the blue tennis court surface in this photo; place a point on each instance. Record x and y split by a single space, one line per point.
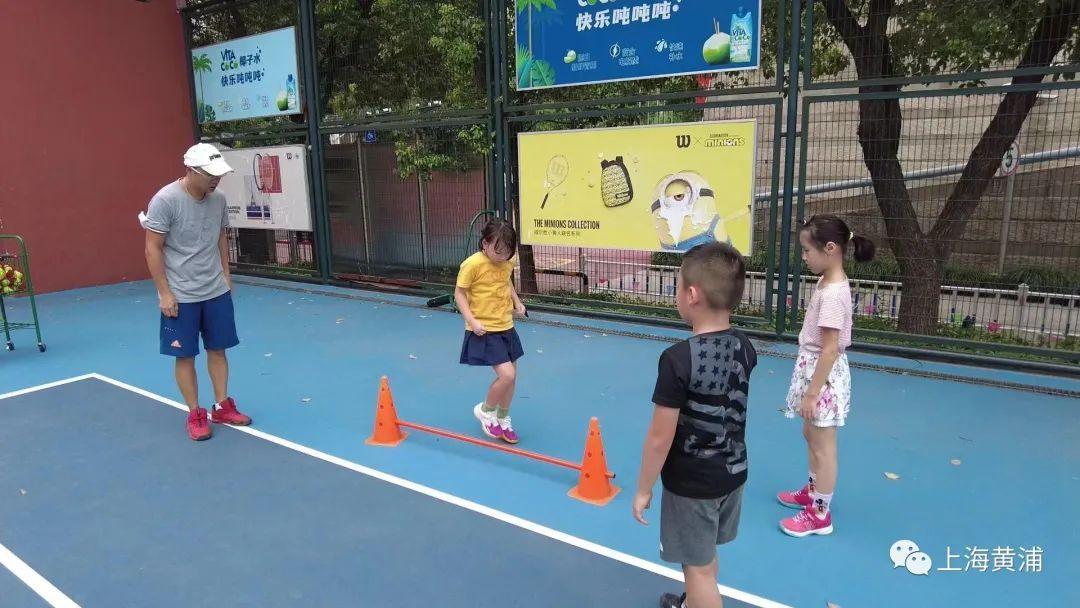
120 518
103 496
15 593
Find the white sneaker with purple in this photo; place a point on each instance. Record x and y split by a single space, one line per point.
509 435
489 422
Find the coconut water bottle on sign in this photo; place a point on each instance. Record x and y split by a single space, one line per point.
742 37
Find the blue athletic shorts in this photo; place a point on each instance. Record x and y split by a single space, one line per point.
213 319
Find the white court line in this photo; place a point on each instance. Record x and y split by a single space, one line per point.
32 579
42 387
513 520
9 560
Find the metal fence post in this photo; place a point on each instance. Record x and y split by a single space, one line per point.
789 163
313 115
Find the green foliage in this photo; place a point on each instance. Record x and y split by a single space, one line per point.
947 36
425 151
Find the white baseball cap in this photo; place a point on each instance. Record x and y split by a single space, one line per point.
208 158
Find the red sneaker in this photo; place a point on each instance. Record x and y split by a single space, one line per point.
197 427
226 413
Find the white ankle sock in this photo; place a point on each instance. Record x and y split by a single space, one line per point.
821 501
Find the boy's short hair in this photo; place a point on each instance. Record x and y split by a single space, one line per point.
717 269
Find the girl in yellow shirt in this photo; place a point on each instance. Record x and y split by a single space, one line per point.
487 300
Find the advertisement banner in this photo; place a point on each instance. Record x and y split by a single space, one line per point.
653 188
247 77
576 42
268 188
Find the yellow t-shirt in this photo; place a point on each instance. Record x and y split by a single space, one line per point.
488 287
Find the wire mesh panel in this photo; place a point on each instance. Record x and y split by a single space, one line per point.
348 225
647 280
285 252
401 58
900 120
988 256
401 200
853 40
227 21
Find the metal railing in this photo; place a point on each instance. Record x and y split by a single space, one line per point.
1036 317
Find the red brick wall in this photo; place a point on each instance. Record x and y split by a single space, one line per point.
96 117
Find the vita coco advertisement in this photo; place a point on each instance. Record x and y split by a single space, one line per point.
268 188
247 77
653 188
576 42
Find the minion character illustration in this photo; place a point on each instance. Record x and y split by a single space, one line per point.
685 214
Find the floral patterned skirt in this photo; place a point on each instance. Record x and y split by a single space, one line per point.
835 403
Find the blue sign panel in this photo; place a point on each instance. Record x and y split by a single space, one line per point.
575 42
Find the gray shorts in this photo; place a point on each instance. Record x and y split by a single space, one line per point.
691 528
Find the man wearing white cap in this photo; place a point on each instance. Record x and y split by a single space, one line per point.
188 255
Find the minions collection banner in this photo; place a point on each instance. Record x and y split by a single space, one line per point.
654 188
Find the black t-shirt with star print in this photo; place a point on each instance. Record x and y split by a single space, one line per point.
707 378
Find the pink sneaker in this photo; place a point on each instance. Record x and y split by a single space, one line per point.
489 422
509 435
796 500
807 522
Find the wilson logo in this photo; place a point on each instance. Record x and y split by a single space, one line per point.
682 141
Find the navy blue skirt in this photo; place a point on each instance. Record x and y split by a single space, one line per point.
492 348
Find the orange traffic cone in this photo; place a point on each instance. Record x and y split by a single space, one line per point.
594 485
387 433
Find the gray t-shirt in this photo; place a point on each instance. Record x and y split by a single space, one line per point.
192 229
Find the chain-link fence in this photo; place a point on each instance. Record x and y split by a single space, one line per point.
390 217
895 116
1001 270
641 280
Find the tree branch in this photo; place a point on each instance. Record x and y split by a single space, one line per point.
237 27
880 12
1050 35
869 44
842 19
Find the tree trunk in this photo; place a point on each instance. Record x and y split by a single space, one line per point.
922 257
920 302
880 122
528 270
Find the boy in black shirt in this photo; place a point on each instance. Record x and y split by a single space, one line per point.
696 441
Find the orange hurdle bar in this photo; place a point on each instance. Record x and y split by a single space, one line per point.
594 480
495 446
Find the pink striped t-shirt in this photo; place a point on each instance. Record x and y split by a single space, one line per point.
830 306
